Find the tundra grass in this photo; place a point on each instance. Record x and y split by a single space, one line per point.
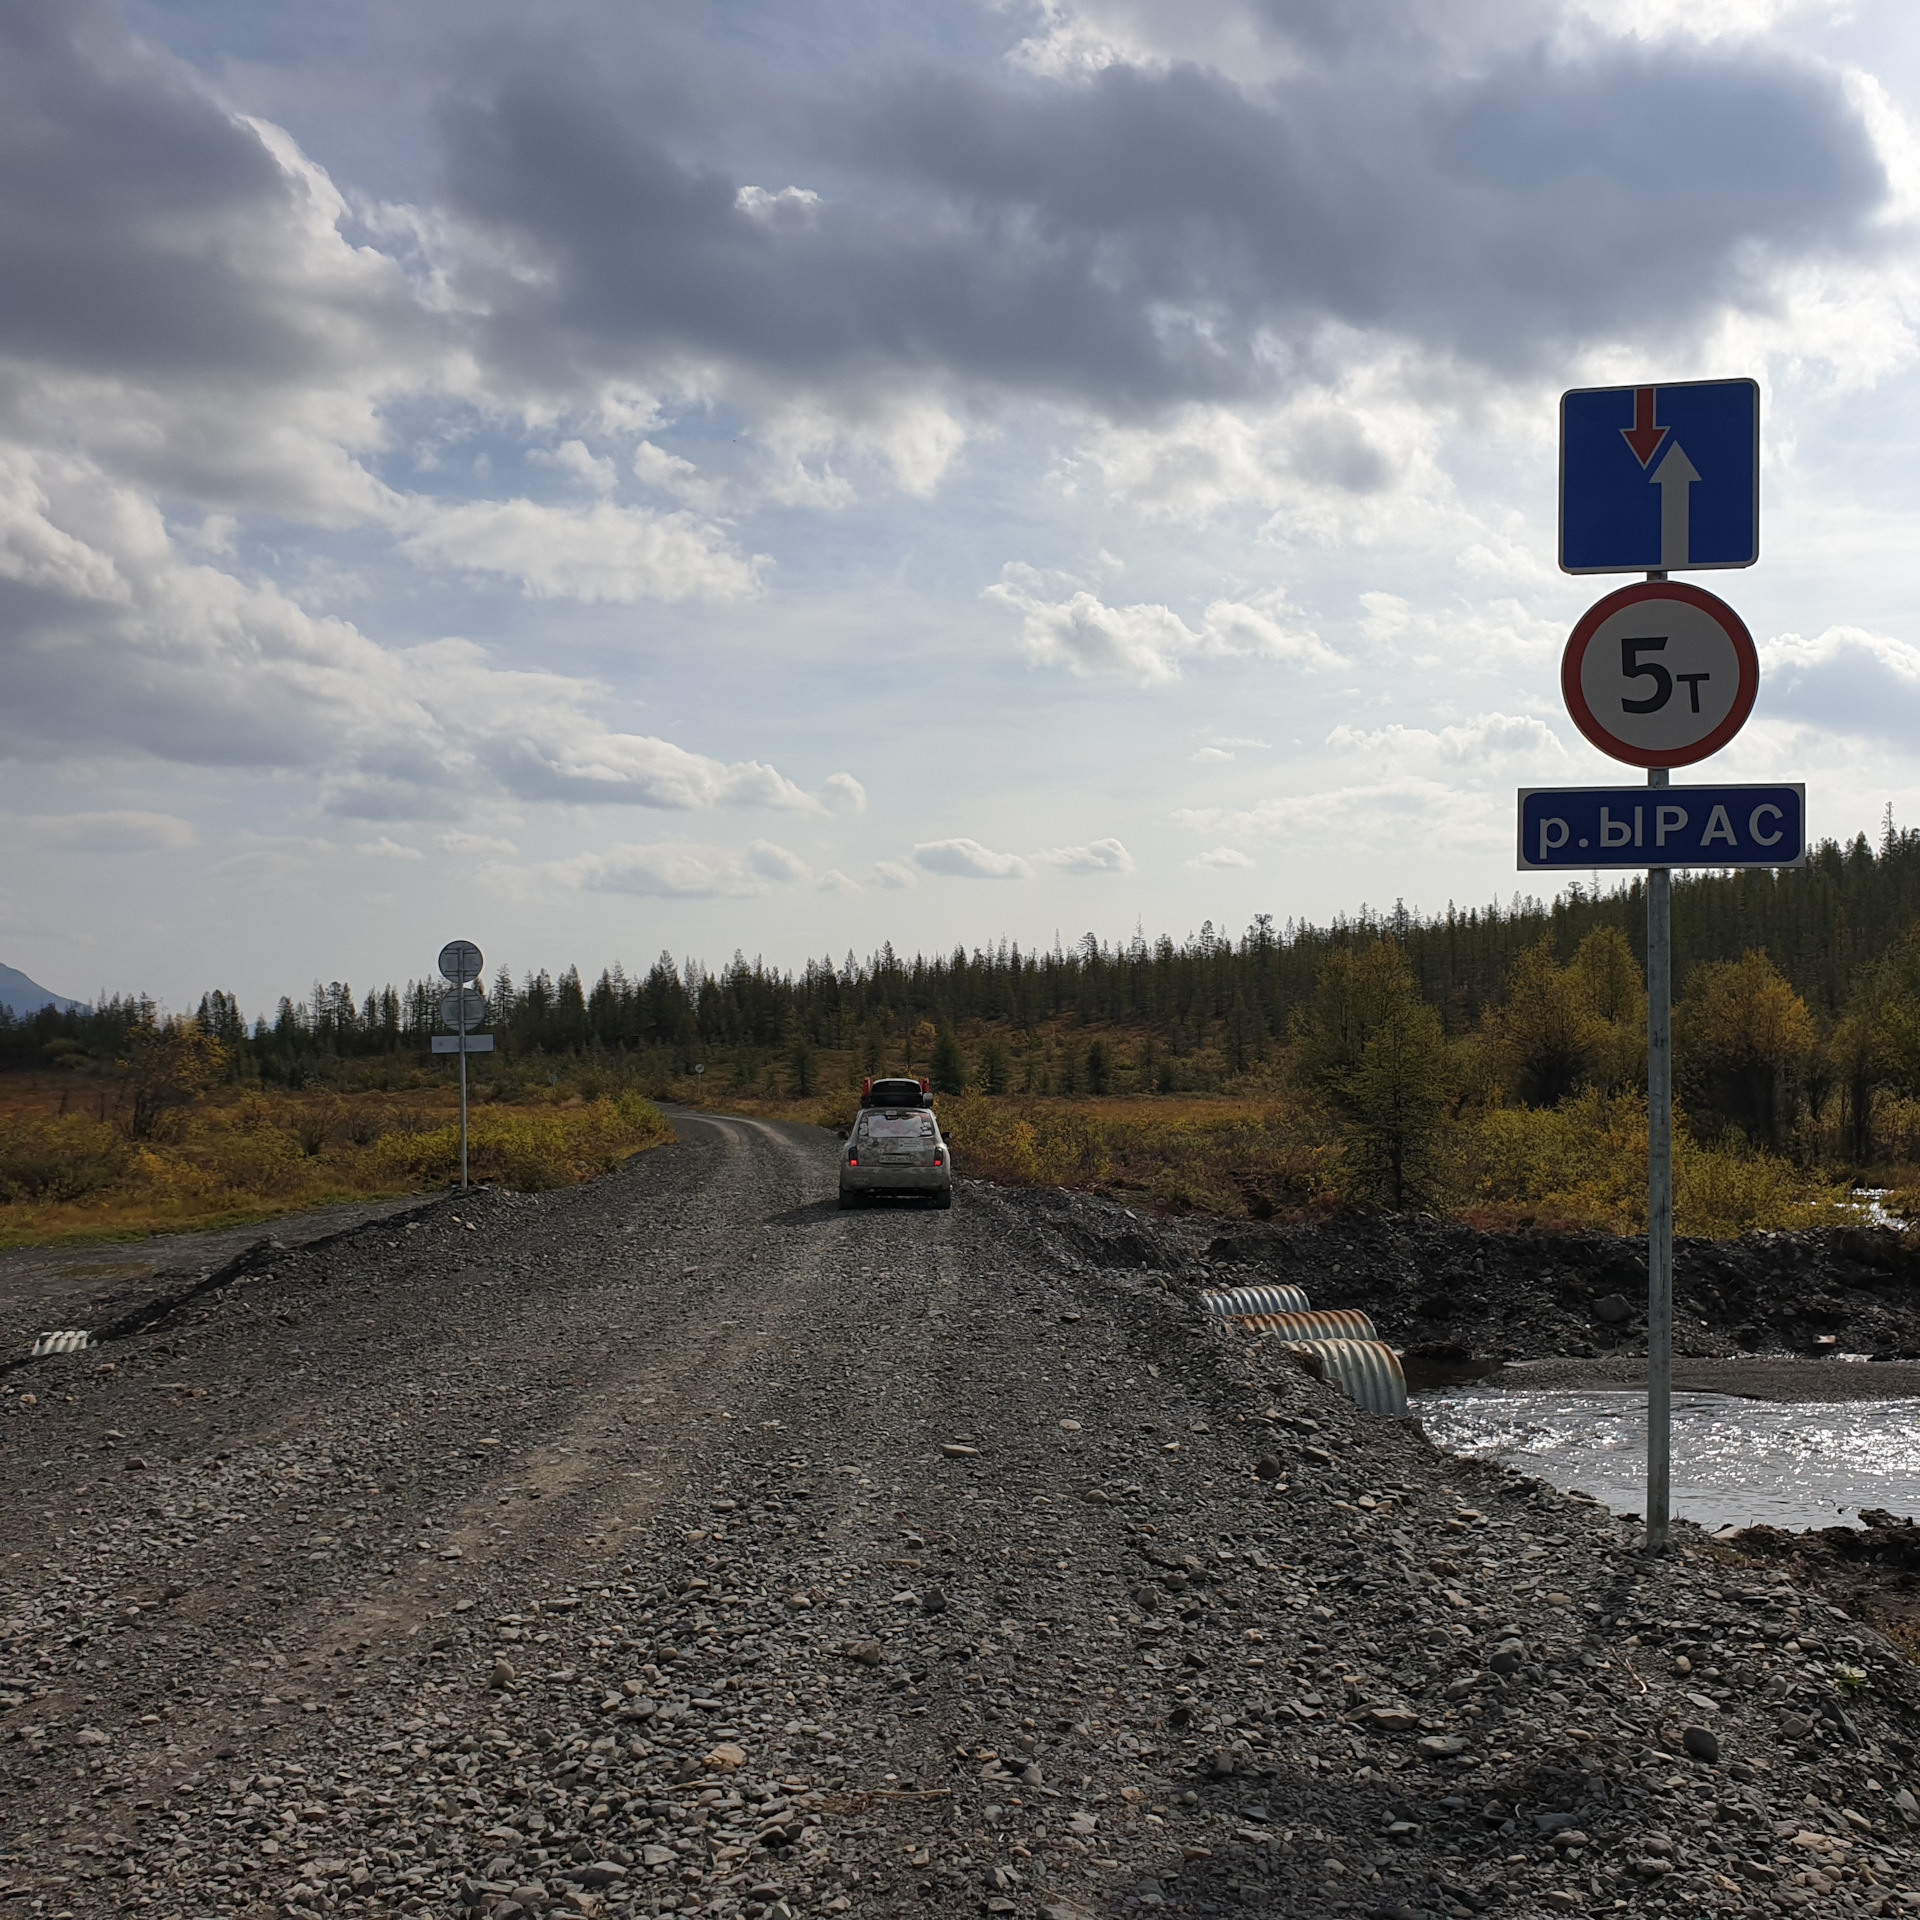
1268 1155
75 1175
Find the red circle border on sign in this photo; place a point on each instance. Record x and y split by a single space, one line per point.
1717 610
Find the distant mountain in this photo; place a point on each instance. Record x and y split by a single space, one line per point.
23 997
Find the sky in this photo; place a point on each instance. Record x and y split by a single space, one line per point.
612 477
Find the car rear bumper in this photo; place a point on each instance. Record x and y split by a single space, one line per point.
896 1179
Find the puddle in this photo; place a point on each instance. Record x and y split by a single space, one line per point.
1735 1462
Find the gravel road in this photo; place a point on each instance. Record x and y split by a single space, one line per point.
678 1544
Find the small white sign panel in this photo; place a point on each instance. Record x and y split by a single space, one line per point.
475 1042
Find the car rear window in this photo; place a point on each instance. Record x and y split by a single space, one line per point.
896 1126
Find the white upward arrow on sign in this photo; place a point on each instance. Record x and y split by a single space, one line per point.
1675 478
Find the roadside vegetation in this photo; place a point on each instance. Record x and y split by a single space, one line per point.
1488 1065
166 1143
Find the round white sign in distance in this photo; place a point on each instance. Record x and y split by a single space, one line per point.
460 962
1660 674
463 1008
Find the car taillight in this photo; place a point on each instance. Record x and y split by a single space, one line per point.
937 1161
853 1159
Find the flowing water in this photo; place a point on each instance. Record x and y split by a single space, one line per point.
1735 1462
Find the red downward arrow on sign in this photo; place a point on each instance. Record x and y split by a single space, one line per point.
1643 436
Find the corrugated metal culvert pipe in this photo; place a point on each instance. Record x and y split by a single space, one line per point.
1245 1300
1321 1323
1342 1341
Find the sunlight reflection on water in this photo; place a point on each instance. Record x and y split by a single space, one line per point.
1735 1462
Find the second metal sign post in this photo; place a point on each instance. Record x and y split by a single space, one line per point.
1660 675
462 1009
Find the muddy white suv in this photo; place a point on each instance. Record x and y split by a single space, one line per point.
895 1147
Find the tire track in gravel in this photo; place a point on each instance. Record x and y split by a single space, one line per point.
510 1412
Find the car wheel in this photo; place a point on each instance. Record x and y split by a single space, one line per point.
849 1202
943 1200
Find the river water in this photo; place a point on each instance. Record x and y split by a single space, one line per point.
1735 1462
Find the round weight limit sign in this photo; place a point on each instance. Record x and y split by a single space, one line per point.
1660 674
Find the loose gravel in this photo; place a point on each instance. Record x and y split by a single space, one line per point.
680 1545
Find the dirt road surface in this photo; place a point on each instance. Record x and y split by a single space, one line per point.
680 1544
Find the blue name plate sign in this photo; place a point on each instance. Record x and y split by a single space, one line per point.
1588 827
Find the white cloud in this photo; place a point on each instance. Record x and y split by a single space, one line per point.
654 466
214 535
1099 856
1487 737
790 206
1225 747
387 848
834 881
968 860
1332 462
121 832
1146 643
575 457
125 644
1388 816
599 553
1493 639
457 840
679 869
1699 19
807 442
36 552
895 874
843 790
1222 857
775 863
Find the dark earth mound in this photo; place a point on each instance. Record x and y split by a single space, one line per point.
1437 1287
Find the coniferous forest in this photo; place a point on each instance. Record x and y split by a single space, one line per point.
1825 927
1490 1058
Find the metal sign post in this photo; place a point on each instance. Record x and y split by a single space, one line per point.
1660 675
462 1009
1659 1195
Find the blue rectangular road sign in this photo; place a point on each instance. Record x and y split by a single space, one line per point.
1660 478
1589 827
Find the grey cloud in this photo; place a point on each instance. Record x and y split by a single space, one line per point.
176 292
1147 236
121 178
130 831
1846 681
